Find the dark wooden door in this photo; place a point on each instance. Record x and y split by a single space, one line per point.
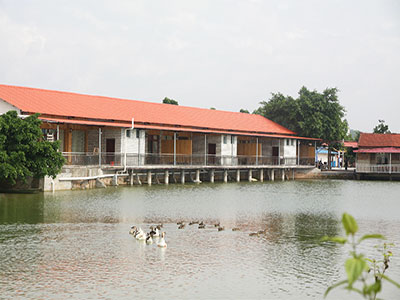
110 149
212 151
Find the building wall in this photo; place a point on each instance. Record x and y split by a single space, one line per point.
228 148
112 134
5 107
289 150
133 142
215 139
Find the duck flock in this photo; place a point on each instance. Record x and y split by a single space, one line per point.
157 235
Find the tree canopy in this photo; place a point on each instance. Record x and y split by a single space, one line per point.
242 110
381 127
167 100
311 114
23 151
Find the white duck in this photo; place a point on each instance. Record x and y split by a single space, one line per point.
154 232
162 242
149 239
140 235
133 230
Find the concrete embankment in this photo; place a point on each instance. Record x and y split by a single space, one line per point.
331 174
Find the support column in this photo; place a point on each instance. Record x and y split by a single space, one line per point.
225 176
279 152
293 174
149 177
261 175
166 177
138 179
212 176
99 147
272 177
131 178
182 176
197 176
205 149
250 175
298 152
283 175
237 175
256 151
174 148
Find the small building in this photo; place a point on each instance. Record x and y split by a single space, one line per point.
378 154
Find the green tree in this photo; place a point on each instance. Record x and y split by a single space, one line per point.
242 110
23 152
167 100
381 127
312 114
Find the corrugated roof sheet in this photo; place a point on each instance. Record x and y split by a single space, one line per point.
66 104
379 140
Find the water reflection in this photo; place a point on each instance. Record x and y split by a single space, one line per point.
76 244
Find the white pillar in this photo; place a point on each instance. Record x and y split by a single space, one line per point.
149 177
237 175
197 176
256 151
205 149
212 175
272 178
182 176
250 175
390 163
261 175
225 176
298 152
166 177
283 175
99 147
174 148
279 151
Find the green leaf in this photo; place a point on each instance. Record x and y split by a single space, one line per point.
335 239
349 224
334 286
374 288
390 280
354 267
371 236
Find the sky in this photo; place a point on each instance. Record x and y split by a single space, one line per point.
227 54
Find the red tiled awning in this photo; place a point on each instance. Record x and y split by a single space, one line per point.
379 150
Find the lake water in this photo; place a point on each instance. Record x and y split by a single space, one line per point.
75 244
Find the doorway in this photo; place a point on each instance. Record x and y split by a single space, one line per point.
212 151
110 150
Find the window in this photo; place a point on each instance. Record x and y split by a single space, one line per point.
292 142
287 142
137 133
225 139
128 133
232 139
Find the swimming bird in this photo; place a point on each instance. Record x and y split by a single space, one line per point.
154 232
159 226
193 222
133 230
149 239
262 231
221 228
217 224
141 235
201 223
253 234
202 226
162 242
182 226
236 229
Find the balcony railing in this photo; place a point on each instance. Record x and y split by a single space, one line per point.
135 160
383 169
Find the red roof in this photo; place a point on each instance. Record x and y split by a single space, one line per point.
379 140
350 144
66 104
379 150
